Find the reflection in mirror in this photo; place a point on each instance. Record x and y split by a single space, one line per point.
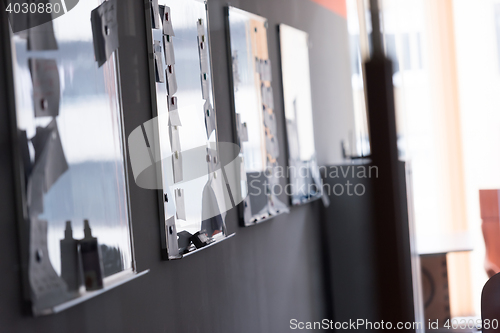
303 172
70 151
193 208
254 115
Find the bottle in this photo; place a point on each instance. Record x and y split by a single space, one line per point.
70 262
91 260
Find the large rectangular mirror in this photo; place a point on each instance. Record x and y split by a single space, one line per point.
303 168
194 196
255 119
75 229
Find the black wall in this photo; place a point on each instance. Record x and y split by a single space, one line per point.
254 282
349 225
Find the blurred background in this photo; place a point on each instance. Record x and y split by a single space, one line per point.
446 76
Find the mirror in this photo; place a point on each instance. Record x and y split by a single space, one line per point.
304 175
194 191
254 115
70 155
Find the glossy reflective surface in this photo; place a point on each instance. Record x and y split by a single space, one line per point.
255 118
197 205
303 169
71 149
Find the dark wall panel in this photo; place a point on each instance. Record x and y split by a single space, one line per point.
254 282
348 222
